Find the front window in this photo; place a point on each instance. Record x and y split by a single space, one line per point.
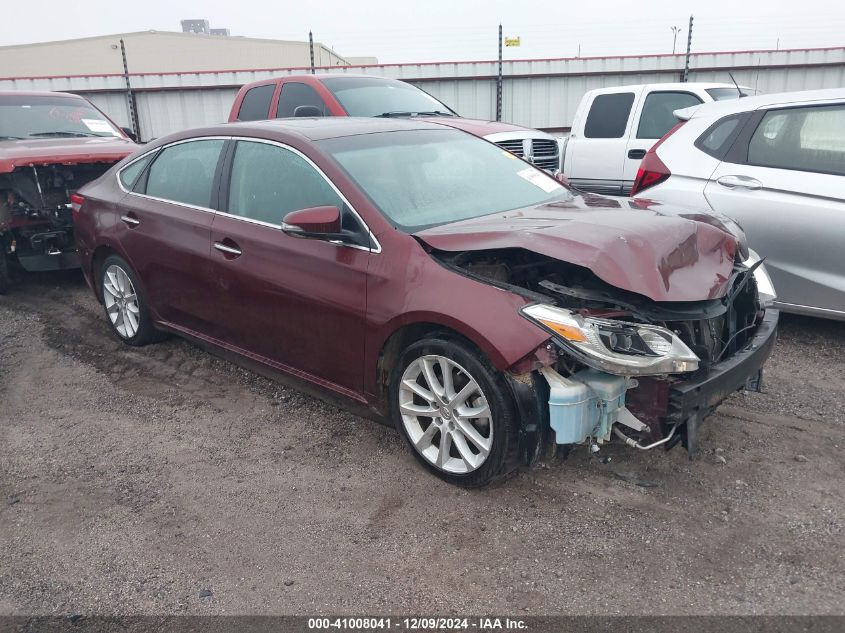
658 112
424 178
23 116
364 96
269 182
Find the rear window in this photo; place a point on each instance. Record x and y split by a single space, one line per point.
801 139
657 117
185 172
608 115
256 103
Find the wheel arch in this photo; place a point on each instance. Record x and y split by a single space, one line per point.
404 333
98 256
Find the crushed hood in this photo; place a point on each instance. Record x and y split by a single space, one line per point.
66 151
635 245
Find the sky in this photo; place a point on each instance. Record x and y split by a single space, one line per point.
455 30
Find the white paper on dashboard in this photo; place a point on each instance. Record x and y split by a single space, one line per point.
98 125
539 179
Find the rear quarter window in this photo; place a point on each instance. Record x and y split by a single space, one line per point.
608 115
129 175
718 138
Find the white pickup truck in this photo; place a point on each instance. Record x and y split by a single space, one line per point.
615 127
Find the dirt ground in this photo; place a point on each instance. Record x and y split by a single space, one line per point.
164 480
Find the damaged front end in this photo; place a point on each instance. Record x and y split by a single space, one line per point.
619 364
36 224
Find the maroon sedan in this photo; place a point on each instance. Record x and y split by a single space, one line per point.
449 286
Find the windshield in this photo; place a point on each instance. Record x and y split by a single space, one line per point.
724 94
363 96
424 178
23 116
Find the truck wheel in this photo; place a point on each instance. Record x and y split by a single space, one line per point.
125 304
4 269
455 411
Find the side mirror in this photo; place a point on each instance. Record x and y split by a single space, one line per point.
320 222
307 110
128 131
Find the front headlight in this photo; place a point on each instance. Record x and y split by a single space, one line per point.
765 287
617 347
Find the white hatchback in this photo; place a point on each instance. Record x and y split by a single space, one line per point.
776 165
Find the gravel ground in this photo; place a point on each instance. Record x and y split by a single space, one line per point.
164 480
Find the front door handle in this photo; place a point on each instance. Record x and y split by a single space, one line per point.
636 153
230 250
130 220
740 182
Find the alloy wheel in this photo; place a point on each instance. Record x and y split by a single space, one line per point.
445 414
121 301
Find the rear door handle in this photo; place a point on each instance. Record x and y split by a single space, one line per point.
740 182
130 220
636 153
230 250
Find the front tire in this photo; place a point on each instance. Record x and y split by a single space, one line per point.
125 304
455 411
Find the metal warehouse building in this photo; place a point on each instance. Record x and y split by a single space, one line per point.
538 93
159 52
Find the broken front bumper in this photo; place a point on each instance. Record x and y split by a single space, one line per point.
692 400
586 405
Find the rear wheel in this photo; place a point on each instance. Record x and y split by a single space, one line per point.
125 304
455 411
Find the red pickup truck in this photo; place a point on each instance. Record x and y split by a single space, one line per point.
51 144
328 94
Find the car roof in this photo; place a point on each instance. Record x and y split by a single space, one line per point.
307 77
38 93
686 86
747 104
313 129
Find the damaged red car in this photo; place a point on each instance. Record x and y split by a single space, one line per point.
471 299
51 144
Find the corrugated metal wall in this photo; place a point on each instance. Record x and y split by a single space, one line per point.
536 93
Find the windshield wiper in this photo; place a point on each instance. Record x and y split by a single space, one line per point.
67 133
11 138
399 113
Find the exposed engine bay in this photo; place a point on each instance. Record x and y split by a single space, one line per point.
36 224
621 364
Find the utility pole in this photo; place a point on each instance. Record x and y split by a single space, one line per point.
689 47
675 31
311 46
130 96
499 80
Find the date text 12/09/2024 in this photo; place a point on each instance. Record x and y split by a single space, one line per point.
417 624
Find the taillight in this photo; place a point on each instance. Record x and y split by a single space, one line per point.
76 204
652 170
